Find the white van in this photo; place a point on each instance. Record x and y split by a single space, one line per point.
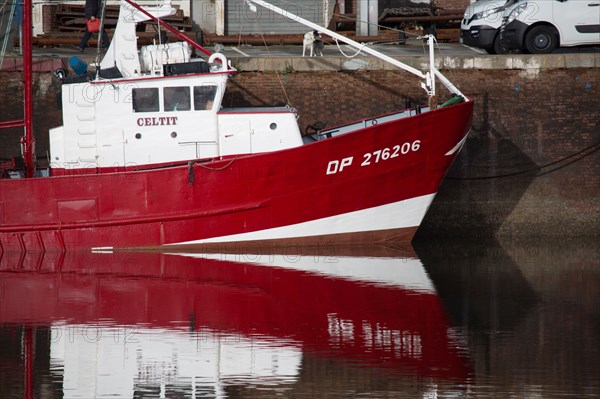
480 26
540 26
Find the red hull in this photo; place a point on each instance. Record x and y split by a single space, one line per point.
190 294
250 193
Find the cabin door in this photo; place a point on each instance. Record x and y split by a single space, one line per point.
111 147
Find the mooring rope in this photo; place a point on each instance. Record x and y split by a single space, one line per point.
217 169
539 169
350 56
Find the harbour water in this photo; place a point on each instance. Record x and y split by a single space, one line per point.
439 320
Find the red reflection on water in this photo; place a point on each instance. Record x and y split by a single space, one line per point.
371 311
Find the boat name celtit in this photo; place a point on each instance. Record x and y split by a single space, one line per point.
157 121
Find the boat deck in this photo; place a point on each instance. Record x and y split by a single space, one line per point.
362 124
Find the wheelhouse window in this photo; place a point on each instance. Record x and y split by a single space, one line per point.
145 100
204 97
177 99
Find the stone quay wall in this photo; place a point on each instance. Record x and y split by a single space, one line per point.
530 167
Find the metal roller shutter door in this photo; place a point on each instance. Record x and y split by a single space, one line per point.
239 18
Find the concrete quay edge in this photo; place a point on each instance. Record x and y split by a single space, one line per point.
286 64
478 62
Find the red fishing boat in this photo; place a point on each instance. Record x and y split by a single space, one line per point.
148 157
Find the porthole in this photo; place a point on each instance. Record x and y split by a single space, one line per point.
273 126
173 134
138 136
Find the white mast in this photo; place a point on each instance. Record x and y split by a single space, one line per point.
123 50
429 78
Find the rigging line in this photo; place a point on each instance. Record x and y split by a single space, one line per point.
9 23
437 46
238 56
416 35
36 80
277 73
424 44
99 42
592 149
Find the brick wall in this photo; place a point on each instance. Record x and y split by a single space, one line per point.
45 112
451 6
528 168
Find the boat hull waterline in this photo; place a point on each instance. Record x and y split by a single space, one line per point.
371 185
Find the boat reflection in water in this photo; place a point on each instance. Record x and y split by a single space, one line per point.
127 323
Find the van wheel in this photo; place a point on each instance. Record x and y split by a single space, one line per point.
541 40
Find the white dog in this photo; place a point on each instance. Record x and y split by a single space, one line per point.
312 40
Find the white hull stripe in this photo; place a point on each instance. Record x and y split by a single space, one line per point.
402 214
458 145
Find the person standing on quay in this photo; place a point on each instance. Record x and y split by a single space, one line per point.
93 10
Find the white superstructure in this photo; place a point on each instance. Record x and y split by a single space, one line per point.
159 106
